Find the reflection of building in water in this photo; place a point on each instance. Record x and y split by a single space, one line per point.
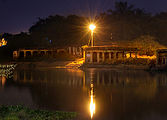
79 78
66 77
46 52
130 92
2 80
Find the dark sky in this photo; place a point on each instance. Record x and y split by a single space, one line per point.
19 15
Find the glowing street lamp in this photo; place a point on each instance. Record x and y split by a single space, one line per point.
92 28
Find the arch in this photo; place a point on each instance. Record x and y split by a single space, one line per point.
21 54
35 54
94 56
42 53
28 54
112 55
117 55
49 53
106 56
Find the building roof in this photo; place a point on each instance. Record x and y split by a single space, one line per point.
112 47
162 50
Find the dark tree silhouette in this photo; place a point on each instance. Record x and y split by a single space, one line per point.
123 24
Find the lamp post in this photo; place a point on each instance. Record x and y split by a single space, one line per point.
92 28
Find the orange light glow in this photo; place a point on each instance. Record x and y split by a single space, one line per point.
92 27
3 81
147 57
141 56
92 102
75 64
3 42
92 107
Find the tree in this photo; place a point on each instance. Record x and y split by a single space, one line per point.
62 31
147 45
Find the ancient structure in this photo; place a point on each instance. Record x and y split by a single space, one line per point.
94 55
161 57
102 54
27 53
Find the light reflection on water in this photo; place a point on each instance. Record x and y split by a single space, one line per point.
92 96
117 95
2 80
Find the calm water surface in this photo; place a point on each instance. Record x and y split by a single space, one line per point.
117 95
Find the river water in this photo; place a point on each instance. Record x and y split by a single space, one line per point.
116 94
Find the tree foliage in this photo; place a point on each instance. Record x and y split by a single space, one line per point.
58 30
147 44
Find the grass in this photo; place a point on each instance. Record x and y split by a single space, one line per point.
19 112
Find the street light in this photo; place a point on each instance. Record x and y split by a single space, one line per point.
92 28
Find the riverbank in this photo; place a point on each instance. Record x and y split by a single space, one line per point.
65 64
119 66
42 64
23 113
62 64
79 63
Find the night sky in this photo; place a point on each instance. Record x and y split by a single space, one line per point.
18 15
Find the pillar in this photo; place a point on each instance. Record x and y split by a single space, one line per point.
24 54
18 54
103 57
80 49
32 53
164 60
130 54
15 76
116 55
109 56
136 55
69 50
84 55
98 57
45 53
125 54
76 51
73 50
39 53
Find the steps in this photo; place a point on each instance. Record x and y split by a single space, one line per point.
75 64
